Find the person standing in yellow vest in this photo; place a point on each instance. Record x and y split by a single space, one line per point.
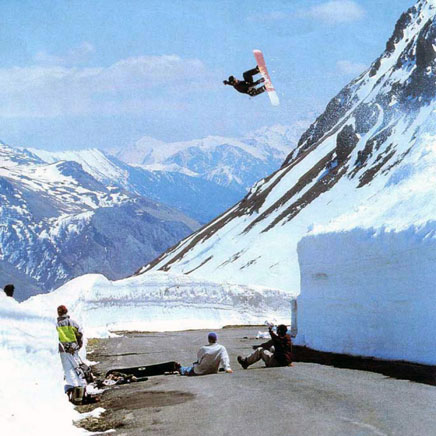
70 342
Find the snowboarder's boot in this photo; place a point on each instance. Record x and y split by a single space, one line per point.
243 362
256 91
257 82
77 395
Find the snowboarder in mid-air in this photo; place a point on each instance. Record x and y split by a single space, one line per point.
248 85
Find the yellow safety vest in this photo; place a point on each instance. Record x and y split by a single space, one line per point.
67 333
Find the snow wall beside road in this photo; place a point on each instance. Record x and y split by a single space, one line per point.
32 400
370 293
159 301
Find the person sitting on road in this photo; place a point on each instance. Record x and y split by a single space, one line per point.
276 352
209 359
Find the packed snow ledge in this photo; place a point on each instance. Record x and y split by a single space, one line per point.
161 301
370 292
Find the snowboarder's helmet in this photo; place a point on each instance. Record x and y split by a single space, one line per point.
62 310
231 79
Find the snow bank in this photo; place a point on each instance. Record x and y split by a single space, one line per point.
370 292
32 401
161 301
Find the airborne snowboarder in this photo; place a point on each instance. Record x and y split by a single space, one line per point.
248 85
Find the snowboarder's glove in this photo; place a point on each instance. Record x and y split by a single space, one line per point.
226 82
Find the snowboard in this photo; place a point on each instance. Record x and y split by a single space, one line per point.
264 72
146 370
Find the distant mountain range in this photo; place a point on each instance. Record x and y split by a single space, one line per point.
234 163
201 178
57 222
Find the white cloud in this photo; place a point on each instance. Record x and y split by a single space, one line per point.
335 11
74 56
128 86
350 68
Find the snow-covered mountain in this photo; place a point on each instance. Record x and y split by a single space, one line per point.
187 175
57 222
367 161
188 193
234 163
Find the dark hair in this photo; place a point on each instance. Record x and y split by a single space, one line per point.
62 310
9 290
282 330
231 79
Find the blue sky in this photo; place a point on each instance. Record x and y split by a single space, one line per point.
104 73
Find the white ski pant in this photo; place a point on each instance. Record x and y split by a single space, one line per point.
73 373
261 353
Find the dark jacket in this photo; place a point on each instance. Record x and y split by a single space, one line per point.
242 86
282 348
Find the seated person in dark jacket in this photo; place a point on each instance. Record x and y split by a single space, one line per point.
248 85
276 352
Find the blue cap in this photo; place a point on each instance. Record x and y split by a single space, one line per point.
212 337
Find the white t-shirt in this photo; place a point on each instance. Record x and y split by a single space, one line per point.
210 357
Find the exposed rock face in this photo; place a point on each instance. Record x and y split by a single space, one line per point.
366 133
346 140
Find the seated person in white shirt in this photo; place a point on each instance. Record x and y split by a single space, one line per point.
209 359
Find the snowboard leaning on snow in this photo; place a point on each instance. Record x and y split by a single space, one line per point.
264 72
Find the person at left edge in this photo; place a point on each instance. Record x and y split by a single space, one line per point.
70 341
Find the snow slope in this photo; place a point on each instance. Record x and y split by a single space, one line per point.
183 190
364 162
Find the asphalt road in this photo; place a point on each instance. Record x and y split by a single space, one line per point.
307 399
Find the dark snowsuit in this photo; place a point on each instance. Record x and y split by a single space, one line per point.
276 352
282 348
248 86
